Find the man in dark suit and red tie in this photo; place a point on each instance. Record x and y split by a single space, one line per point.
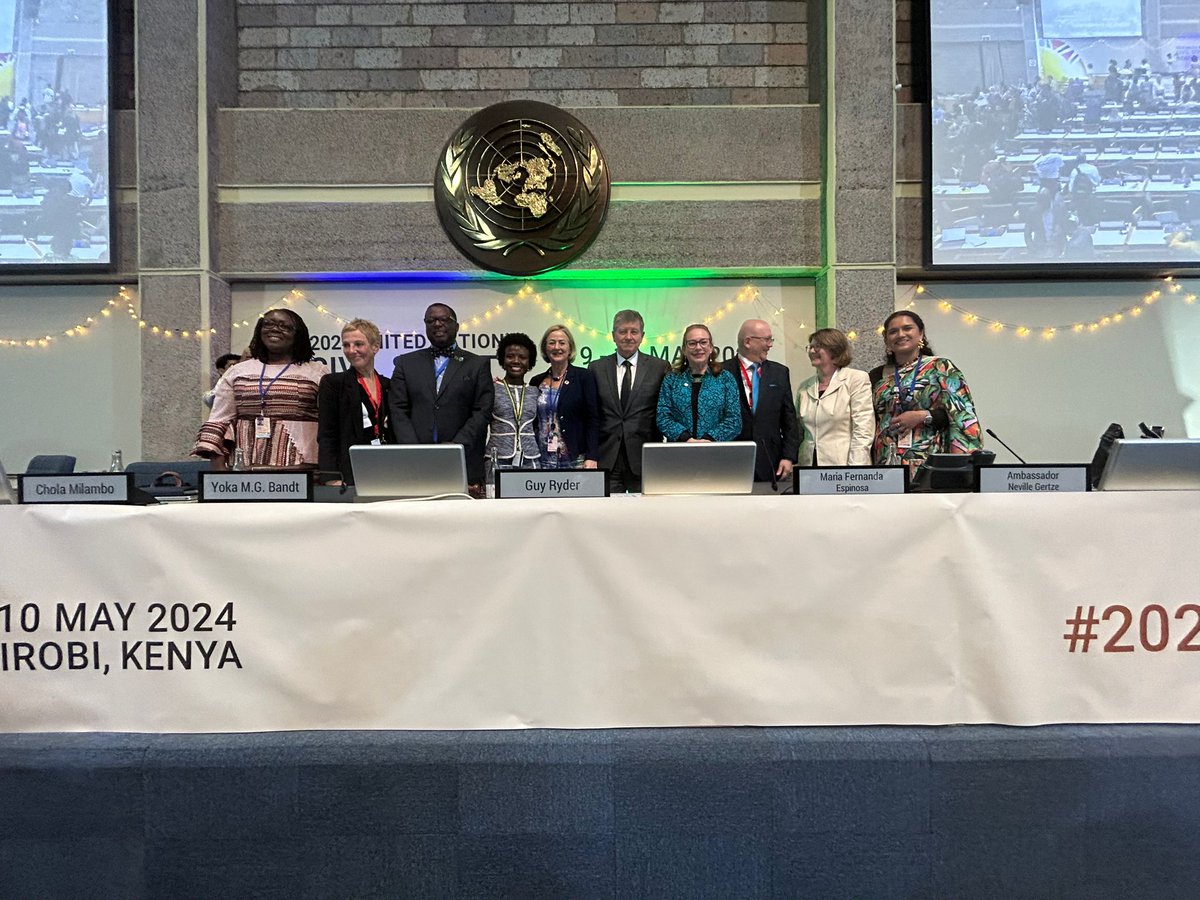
768 410
628 382
443 394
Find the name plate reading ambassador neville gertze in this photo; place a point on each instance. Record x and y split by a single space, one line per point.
526 483
1060 478
852 480
255 487
84 487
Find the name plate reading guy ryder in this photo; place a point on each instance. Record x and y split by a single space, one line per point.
1066 478
86 487
255 487
851 479
557 483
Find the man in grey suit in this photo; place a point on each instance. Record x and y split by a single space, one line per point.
443 394
628 382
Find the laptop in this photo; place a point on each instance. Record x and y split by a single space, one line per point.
387 471
1152 465
6 491
701 468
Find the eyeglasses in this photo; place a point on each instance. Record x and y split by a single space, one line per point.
755 337
695 345
278 325
439 320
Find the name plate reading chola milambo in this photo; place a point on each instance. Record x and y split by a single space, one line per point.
84 487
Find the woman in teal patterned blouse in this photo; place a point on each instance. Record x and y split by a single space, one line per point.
698 401
922 403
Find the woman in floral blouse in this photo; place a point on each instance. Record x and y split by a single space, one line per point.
922 403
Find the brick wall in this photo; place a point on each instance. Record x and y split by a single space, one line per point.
478 52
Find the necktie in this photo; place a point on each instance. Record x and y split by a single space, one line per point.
754 386
626 385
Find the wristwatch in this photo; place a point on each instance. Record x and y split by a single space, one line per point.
928 419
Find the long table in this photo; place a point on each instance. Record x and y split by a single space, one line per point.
631 611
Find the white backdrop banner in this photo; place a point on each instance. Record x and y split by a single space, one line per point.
489 310
638 611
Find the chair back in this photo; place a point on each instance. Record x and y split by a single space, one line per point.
50 464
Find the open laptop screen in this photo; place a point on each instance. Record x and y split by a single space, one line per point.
700 468
408 470
1152 465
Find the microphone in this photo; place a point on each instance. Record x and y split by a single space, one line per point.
1005 446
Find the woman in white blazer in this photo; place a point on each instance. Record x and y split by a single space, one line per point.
834 405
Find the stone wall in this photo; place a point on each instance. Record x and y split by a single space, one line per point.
478 52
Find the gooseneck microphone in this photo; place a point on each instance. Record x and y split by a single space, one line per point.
1005 446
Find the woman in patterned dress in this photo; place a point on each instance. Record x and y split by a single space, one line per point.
922 403
266 406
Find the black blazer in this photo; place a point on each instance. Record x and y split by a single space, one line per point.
457 414
774 426
639 424
578 411
339 421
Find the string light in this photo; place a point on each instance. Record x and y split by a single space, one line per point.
122 300
1048 332
526 294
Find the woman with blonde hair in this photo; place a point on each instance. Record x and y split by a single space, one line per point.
568 406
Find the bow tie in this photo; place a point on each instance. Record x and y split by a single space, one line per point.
442 351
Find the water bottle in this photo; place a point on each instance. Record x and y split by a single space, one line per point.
489 489
116 463
239 460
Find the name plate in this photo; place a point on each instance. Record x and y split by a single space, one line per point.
517 483
255 487
856 480
85 487
1065 478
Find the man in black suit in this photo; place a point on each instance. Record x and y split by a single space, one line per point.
443 394
768 407
628 382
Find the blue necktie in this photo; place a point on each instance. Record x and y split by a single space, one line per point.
754 387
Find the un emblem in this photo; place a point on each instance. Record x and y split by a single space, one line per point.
521 188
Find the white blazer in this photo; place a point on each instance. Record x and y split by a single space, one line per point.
841 423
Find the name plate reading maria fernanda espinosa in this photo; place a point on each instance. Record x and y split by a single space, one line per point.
84 487
526 483
1060 478
255 487
853 480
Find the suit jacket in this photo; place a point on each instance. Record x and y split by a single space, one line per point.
457 414
720 414
841 424
637 425
339 421
578 411
773 426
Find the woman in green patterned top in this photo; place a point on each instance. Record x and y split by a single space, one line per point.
922 403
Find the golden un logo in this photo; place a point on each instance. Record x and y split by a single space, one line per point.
521 188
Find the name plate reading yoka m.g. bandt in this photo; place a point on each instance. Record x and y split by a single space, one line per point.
255 487
1063 479
85 487
856 480
525 483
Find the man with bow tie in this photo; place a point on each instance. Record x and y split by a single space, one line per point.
443 394
768 410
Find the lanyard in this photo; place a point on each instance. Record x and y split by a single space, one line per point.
518 400
374 399
750 382
262 393
902 397
439 369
